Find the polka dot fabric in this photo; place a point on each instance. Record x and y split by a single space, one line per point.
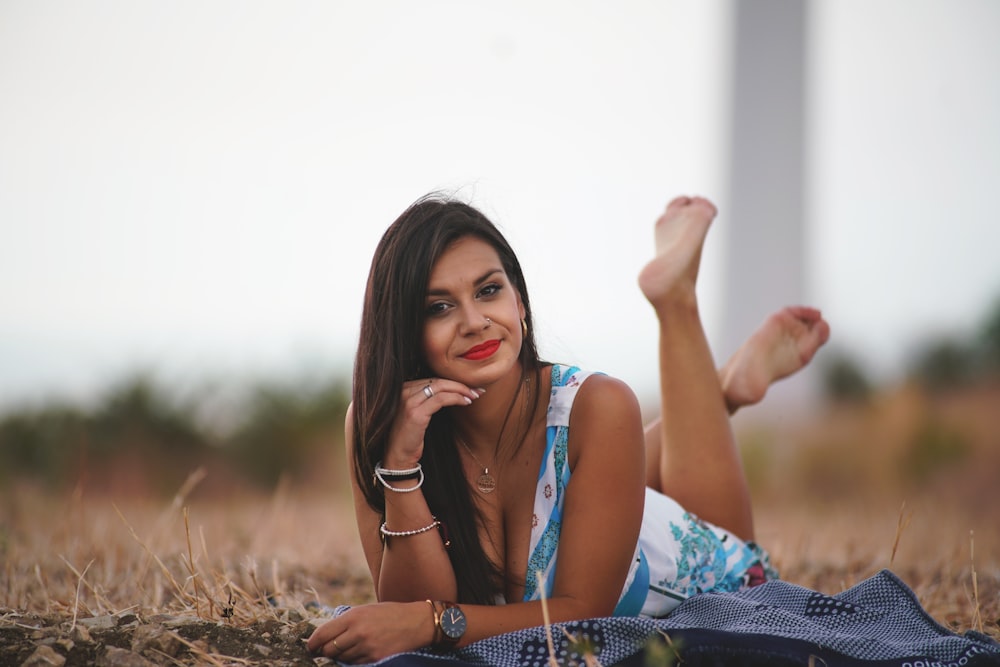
878 622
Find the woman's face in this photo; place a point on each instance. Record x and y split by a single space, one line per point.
472 330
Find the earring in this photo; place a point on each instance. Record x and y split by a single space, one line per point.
524 326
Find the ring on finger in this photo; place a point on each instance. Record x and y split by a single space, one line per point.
428 391
335 646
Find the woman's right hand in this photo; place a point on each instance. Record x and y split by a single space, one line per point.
419 401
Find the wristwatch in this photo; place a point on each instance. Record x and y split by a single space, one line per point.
449 623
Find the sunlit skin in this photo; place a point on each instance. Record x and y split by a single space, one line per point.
471 341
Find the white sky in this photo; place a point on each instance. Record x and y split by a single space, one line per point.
197 187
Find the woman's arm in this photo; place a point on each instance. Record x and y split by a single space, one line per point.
605 495
415 566
603 512
371 632
402 568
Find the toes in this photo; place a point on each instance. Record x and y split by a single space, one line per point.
824 332
684 204
678 202
805 313
701 201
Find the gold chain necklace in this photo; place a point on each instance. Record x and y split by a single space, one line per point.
486 483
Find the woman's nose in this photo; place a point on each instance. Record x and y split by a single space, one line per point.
476 321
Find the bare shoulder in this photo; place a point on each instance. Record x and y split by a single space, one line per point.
605 410
603 398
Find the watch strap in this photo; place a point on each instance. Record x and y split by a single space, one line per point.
441 640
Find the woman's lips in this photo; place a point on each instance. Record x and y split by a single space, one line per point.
483 350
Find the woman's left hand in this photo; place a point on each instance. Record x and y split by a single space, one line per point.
371 632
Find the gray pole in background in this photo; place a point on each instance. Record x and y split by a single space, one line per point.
765 247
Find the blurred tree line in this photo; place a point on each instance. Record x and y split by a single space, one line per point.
141 438
938 365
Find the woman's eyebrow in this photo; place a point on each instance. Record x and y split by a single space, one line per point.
444 292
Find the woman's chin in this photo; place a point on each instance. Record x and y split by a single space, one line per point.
483 373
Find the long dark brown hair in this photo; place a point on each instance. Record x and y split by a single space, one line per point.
390 353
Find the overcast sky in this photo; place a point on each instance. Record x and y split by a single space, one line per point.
197 187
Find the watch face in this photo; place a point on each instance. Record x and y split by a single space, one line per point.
453 623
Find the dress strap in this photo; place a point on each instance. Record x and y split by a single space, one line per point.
553 476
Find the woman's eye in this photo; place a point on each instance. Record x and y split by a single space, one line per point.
437 308
489 290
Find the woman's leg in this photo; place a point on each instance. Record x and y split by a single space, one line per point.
784 344
698 461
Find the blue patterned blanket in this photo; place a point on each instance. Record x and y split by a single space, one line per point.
878 622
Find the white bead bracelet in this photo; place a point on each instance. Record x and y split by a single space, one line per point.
407 533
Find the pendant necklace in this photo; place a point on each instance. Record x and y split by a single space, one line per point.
486 483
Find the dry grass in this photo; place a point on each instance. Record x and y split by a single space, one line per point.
243 559
251 557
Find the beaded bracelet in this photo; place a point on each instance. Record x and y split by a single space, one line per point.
420 482
408 533
406 473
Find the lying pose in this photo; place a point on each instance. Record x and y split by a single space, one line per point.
485 478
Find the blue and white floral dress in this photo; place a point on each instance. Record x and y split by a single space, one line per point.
677 555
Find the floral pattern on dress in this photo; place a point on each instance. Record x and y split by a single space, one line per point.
705 563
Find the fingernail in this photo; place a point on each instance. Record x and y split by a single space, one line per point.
481 390
468 401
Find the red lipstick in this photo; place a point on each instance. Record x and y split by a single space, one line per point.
483 350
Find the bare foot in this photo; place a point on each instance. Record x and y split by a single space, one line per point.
784 344
679 235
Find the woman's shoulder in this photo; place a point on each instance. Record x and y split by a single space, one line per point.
604 396
605 417
582 395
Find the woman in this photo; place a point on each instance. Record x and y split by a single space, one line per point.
485 478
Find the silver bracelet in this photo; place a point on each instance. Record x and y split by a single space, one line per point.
407 533
420 482
388 472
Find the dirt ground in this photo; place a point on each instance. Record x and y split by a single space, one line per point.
127 640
